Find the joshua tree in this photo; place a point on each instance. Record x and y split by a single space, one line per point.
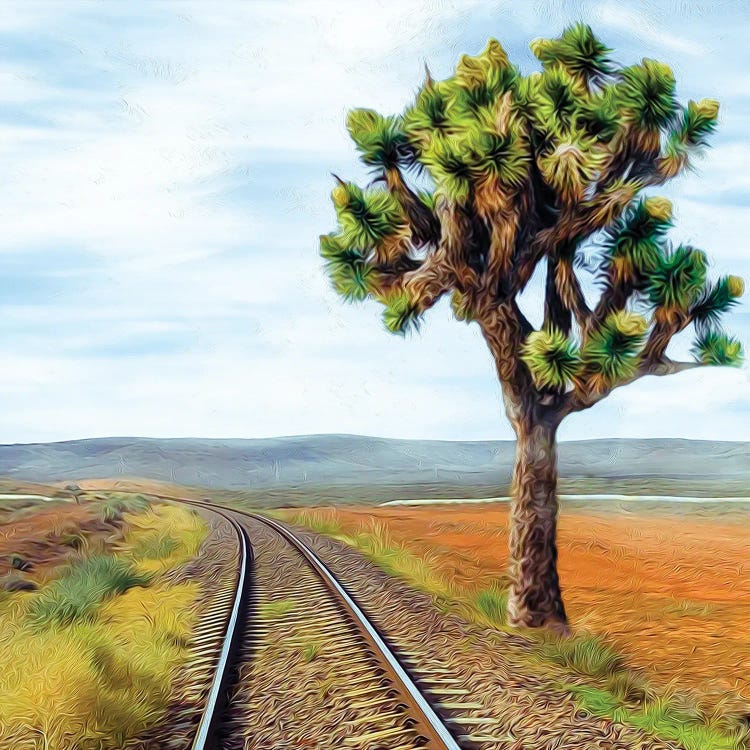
75 491
546 173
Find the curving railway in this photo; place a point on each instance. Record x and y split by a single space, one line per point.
298 664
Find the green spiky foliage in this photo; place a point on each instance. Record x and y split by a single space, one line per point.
578 52
698 121
489 175
400 314
648 91
366 217
633 244
716 299
718 349
552 358
611 354
350 273
517 170
678 279
380 140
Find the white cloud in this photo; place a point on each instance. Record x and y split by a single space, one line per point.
643 24
179 154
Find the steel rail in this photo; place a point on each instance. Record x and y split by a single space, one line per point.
440 732
205 737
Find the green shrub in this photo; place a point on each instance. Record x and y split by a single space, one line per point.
79 592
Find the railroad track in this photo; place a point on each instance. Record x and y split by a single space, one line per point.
306 668
295 663
199 703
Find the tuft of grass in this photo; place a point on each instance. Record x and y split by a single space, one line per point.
323 522
77 595
586 654
274 610
162 537
115 506
75 540
630 687
658 717
376 542
492 604
310 651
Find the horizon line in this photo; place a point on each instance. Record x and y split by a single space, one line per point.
354 436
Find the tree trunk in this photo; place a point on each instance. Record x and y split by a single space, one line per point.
535 599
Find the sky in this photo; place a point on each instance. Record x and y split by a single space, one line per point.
167 173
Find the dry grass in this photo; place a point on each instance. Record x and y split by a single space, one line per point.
162 537
89 659
102 681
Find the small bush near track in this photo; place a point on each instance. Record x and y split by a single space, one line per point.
585 654
79 592
115 505
162 537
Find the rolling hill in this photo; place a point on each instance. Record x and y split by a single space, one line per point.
379 468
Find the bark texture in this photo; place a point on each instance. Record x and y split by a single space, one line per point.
535 599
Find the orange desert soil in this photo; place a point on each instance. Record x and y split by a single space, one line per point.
670 593
43 536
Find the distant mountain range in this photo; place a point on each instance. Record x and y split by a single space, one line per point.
386 468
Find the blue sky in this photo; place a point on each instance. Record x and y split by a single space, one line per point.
166 176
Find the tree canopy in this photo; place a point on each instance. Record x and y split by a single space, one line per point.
552 168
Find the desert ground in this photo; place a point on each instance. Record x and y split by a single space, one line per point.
666 585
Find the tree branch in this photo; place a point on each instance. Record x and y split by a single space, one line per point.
580 400
616 187
556 313
430 281
443 269
661 334
425 226
571 294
